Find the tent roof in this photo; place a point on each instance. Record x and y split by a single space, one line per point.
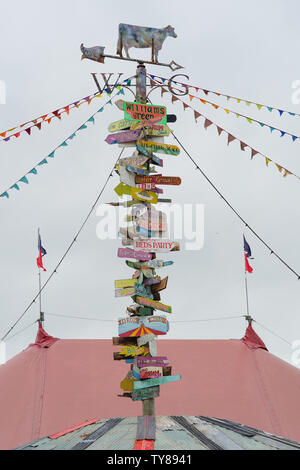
56 384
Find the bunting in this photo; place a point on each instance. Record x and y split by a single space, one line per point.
7 135
230 111
228 97
230 138
44 161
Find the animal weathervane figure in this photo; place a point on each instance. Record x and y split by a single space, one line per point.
143 37
135 36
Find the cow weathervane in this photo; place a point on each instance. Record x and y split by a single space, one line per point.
135 36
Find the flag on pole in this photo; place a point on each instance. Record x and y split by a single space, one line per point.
42 252
247 252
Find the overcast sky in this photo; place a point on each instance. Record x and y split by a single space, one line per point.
244 49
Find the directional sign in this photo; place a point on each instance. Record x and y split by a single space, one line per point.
135 160
160 148
137 170
125 292
161 286
146 233
159 130
152 303
150 373
142 195
158 179
125 136
119 125
138 384
145 393
122 189
125 283
128 253
140 326
157 361
132 351
145 112
144 291
156 246
148 223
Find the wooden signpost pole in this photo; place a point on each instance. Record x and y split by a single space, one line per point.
141 97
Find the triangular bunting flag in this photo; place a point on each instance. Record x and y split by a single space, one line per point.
203 101
39 125
72 136
282 133
24 180
253 153
3 134
287 172
226 111
248 103
28 130
185 105
243 145
44 117
279 167
34 121
43 162
197 89
267 161
220 130
294 138
15 186
67 109
49 120
5 195
17 134
261 124
206 92
249 120
100 110
82 127
91 120
196 114
271 128
174 98
109 102
259 106
163 90
191 97
270 109
215 106
280 112
33 171
230 138
64 144
121 92
51 155
207 123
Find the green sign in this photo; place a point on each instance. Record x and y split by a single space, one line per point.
145 112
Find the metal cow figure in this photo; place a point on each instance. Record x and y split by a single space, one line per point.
92 53
141 37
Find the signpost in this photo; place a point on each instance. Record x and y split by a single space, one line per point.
142 122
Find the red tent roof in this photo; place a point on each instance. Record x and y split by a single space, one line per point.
56 384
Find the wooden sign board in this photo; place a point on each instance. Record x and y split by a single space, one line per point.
151 372
117 341
145 394
140 326
158 179
156 246
144 291
125 283
143 195
135 160
161 129
127 385
125 136
153 304
159 147
145 112
139 384
145 311
147 233
157 361
132 351
119 125
161 286
125 292
136 170
129 253
157 263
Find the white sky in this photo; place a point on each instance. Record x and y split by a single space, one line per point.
246 49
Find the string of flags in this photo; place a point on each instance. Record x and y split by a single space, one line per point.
44 161
228 97
247 118
230 137
47 118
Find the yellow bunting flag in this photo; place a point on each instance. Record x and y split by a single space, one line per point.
279 167
267 161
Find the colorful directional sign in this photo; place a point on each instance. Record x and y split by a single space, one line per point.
160 148
145 112
156 246
140 326
152 303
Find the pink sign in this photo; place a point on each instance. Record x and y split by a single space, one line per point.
128 253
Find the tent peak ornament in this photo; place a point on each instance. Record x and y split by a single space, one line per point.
138 37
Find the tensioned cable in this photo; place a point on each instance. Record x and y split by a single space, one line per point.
23 329
68 249
272 252
172 321
272 332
